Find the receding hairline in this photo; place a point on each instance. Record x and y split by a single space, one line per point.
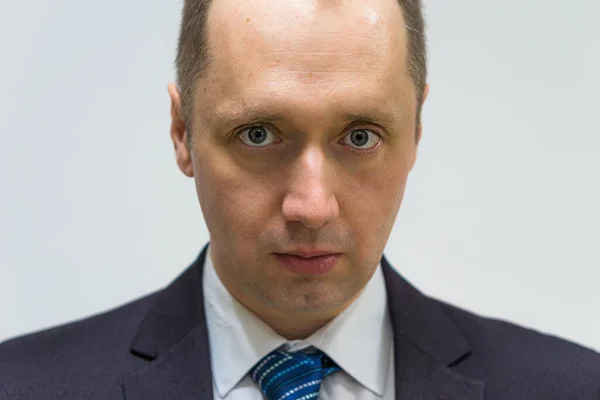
194 56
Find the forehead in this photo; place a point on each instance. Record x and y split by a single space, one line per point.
302 50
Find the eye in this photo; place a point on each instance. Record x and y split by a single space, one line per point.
362 139
257 136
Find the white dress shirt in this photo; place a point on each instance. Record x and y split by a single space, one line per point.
359 340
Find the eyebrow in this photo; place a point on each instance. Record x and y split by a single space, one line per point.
249 116
372 116
246 116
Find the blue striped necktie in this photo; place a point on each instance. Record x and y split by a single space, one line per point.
282 375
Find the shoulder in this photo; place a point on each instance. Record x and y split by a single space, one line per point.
516 360
91 353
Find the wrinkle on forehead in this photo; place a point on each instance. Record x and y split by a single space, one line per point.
275 29
303 50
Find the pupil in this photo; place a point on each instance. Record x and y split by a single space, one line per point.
359 138
257 135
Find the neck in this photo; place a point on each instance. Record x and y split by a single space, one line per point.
295 327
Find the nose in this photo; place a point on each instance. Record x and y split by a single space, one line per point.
310 197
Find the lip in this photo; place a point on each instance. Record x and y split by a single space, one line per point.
308 263
309 253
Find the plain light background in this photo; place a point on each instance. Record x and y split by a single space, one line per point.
500 214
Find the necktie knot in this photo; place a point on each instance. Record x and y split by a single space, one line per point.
282 375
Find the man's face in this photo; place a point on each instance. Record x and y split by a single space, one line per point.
303 138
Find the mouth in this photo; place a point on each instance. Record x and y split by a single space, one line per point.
305 253
308 263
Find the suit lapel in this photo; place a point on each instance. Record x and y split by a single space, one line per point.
427 345
175 338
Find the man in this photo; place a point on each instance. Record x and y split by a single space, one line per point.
299 122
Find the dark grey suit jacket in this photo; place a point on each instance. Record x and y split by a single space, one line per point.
157 348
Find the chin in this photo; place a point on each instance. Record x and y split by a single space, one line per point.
307 296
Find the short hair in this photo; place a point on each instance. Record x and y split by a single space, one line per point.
194 58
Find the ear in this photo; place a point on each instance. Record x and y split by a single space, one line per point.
179 134
419 128
419 119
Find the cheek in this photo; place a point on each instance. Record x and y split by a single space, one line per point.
372 200
236 205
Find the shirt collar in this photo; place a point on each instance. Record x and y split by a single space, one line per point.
359 340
